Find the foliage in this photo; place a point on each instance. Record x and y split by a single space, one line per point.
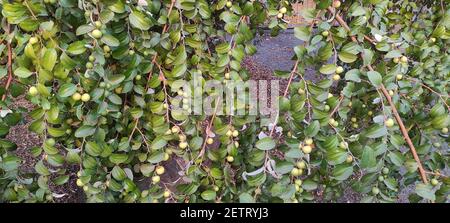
104 76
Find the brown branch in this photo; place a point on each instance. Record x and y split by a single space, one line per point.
9 64
393 108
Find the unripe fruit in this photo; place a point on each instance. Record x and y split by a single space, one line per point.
327 108
355 125
33 91
283 10
343 145
33 40
444 130
330 95
337 4
296 172
349 159
165 105
385 170
301 164
106 48
138 77
353 119
339 69
156 179
432 39
325 33
280 15
97 33
183 145
160 170
131 52
434 182
98 24
230 159
76 96
309 141
404 59
210 141
91 58
85 97
80 183
166 193
399 77
144 193
227 75
370 113
298 182
236 144
182 138
301 91
166 157
336 77
235 133
175 129
51 142
391 92
306 149
375 190
389 122
216 188
396 60
229 133
229 4
89 65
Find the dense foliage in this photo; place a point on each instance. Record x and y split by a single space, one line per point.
104 76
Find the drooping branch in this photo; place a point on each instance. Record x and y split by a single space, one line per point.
391 103
9 63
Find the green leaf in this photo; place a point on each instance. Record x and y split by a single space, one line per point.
76 48
139 20
41 169
246 198
208 195
302 33
158 143
83 29
49 59
312 129
266 143
22 72
368 159
328 69
342 172
110 40
376 131
353 75
118 158
425 191
93 149
375 78
84 131
67 89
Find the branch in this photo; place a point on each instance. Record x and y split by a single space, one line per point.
393 108
9 64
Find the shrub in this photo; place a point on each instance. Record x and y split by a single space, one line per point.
107 81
